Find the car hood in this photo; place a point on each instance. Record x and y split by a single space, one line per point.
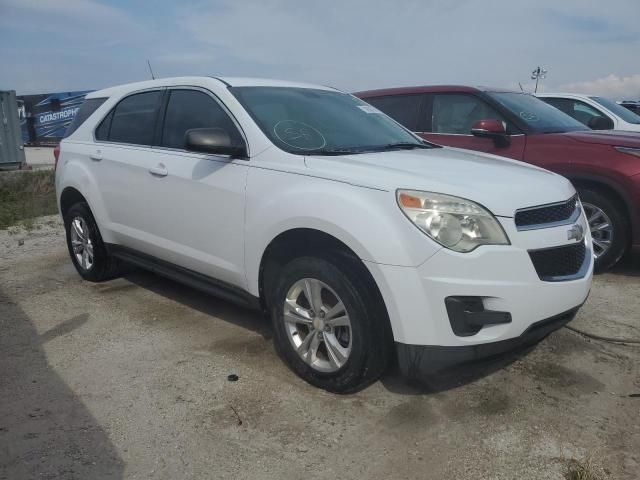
499 184
618 138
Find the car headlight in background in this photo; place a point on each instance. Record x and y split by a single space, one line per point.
453 222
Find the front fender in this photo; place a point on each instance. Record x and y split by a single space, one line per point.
367 220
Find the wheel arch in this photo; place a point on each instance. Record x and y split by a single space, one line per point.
613 191
296 242
68 197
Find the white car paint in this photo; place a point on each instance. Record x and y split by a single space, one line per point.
236 207
618 122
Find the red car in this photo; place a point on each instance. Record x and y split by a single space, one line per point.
604 166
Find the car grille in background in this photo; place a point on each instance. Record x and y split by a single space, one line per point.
546 214
559 263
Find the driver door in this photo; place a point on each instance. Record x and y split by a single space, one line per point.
450 117
197 199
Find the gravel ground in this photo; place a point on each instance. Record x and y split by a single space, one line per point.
128 379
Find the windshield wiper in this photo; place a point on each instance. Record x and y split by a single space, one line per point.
366 149
332 151
403 146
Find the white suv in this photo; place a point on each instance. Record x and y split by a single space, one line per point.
597 113
356 237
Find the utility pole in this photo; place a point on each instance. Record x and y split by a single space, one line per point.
538 74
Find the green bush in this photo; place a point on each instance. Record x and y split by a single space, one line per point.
25 195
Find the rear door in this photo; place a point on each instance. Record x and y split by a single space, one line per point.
450 116
194 202
121 157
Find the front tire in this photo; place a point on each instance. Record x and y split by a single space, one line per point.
329 326
608 225
86 248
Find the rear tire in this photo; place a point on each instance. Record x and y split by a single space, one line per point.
364 349
86 248
609 228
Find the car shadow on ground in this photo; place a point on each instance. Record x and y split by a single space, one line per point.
45 429
629 266
452 377
209 305
253 320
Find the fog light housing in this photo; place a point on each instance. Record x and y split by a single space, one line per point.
468 316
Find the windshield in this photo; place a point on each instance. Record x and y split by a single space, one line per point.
625 114
307 121
538 115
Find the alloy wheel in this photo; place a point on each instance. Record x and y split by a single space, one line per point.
318 325
601 229
81 243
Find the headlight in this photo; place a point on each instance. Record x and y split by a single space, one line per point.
453 222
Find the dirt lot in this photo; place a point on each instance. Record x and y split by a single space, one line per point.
128 379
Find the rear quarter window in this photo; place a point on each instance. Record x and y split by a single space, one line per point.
85 111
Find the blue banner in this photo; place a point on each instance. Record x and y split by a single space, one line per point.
44 118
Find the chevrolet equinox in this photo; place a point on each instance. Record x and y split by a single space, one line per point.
358 239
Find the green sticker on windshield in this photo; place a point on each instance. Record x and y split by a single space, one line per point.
299 135
529 116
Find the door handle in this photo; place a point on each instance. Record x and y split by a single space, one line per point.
96 156
159 170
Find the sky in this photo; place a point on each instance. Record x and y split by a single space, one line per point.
64 45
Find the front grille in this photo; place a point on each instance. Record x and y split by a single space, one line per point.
559 263
546 214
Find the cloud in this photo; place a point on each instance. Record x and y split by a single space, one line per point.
358 44
84 9
593 27
352 44
78 23
65 45
612 86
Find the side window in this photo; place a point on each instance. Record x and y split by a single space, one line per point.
404 109
585 113
132 120
189 109
85 111
102 132
576 109
563 104
456 113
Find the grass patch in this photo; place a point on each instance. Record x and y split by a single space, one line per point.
25 195
586 468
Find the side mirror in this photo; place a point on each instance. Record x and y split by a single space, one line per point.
600 122
493 129
215 141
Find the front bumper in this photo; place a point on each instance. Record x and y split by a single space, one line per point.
516 304
419 361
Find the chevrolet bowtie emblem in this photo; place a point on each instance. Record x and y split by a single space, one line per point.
576 232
